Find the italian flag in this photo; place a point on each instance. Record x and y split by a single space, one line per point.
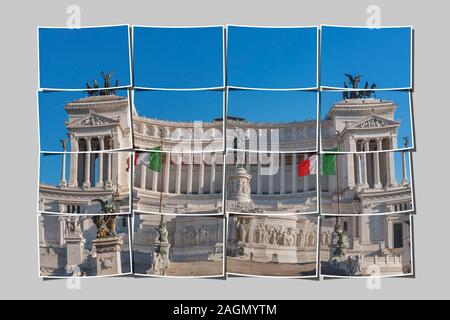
151 159
329 163
307 166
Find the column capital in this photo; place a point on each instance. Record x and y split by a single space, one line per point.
379 143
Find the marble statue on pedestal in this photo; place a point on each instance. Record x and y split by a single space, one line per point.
107 246
160 256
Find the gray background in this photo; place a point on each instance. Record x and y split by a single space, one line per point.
18 267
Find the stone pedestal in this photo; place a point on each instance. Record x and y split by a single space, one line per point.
107 256
239 191
75 249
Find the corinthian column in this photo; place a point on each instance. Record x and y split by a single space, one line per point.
259 177
100 161
359 170
190 174
294 173
390 162
167 173
87 164
63 182
73 179
364 163
212 184
109 172
306 180
155 181
271 173
283 174
376 165
143 176
404 178
201 175
178 161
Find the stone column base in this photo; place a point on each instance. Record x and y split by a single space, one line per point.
75 250
107 256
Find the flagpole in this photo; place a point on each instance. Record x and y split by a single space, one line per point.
337 179
161 184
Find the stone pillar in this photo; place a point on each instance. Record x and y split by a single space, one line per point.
143 176
63 182
376 158
306 180
389 233
61 231
155 181
201 174
73 179
364 164
167 172
283 174
358 170
190 174
294 173
100 161
212 182
259 179
41 230
271 175
404 178
87 164
109 171
349 161
178 161
239 191
248 165
107 256
364 229
390 165
74 243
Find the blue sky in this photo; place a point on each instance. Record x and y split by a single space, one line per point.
272 58
68 58
402 114
272 106
381 56
52 117
180 105
50 168
178 58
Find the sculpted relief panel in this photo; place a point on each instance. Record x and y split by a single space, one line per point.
372 123
202 235
239 186
276 235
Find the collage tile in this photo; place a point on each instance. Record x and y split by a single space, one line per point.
218 152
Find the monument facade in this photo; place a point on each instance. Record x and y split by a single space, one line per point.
84 246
